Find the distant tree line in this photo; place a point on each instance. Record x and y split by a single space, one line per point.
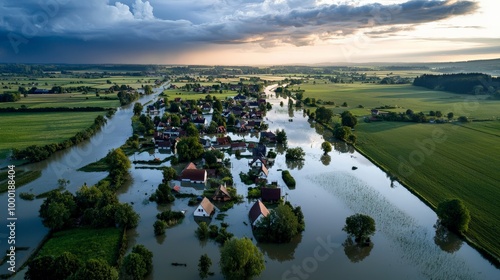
10 97
35 153
470 83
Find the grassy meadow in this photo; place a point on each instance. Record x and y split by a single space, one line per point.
440 161
65 100
403 96
20 130
85 243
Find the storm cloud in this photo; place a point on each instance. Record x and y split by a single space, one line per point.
105 31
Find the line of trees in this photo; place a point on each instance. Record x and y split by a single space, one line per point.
10 97
54 109
463 83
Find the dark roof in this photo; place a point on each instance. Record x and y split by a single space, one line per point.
194 174
222 191
270 194
257 209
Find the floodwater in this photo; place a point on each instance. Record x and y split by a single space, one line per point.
62 165
405 245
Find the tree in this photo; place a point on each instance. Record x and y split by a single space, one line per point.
202 231
192 130
463 119
163 194
148 89
295 154
189 148
450 116
241 259
138 108
125 216
118 164
159 227
454 215
348 119
146 255
326 147
204 266
59 210
360 226
133 267
280 226
323 114
231 119
281 137
40 268
65 265
96 269
342 132
169 173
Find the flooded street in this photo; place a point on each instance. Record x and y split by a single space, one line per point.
405 245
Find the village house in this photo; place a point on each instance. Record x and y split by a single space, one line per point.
205 209
241 146
257 212
221 194
193 175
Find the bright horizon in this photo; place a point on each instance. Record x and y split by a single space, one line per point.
254 32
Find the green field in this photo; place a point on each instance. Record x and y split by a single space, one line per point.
68 100
403 96
85 244
20 130
13 83
440 161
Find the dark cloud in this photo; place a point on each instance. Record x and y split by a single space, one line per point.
106 31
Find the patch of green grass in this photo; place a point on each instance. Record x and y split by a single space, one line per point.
20 130
440 161
85 243
68 100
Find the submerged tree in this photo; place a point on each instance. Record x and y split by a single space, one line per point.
241 259
360 226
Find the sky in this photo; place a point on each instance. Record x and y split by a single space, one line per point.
250 32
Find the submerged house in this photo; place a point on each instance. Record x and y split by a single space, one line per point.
194 175
257 212
270 194
221 194
205 209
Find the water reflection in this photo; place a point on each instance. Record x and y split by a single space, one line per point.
356 252
446 240
281 252
343 147
160 238
326 159
295 164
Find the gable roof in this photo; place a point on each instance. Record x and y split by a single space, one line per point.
207 205
264 170
270 194
257 209
222 190
199 175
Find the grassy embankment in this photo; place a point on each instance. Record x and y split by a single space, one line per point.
85 243
463 165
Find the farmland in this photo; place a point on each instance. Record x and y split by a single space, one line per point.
459 162
20 130
99 244
64 100
402 96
